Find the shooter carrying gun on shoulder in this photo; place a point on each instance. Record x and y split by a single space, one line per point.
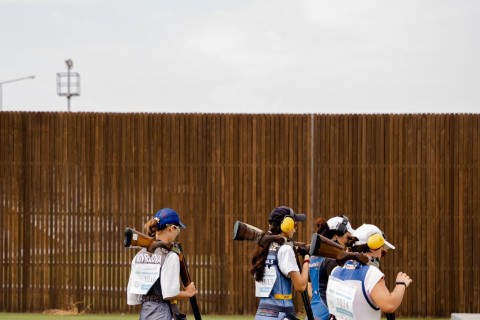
157 269
359 289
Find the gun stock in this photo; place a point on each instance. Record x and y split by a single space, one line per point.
321 246
245 232
136 239
133 238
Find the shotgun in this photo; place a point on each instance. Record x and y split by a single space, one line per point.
305 298
133 238
186 280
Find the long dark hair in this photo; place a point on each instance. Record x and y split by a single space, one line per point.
257 269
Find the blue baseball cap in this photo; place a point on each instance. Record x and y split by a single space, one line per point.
168 216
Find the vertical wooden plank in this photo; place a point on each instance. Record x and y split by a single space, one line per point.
414 191
363 168
16 223
469 204
349 169
446 165
454 221
417 199
423 199
391 211
6 197
356 170
370 192
430 209
407 220
379 135
210 195
475 247
4 202
235 187
438 205
318 160
461 210
340 163
395 173
333 169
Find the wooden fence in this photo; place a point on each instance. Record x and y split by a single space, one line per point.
71 182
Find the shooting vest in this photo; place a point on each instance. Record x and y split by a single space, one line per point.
149 283
354 273
319 304
280 298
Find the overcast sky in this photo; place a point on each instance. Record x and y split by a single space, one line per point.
243 56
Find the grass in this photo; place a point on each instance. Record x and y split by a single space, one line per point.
39 316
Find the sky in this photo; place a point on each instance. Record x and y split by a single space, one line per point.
243 56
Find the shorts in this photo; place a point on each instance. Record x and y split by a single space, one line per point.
155 311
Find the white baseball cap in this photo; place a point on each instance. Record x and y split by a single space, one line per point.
365 231
340 223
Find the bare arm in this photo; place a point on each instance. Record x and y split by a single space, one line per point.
388 301
188 292
300 279
309 290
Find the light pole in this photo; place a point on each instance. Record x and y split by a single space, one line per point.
9 81
68 84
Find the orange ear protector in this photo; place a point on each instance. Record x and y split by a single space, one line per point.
288 223
375 241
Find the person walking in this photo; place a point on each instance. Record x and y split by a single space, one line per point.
275 268
155 276
358 290
337 229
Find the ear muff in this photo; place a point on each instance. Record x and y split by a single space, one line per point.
288 224
342 227
375 241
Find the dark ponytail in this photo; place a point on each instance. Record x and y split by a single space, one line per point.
257 269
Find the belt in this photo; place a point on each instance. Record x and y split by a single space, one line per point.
280 296
154 299
265 308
